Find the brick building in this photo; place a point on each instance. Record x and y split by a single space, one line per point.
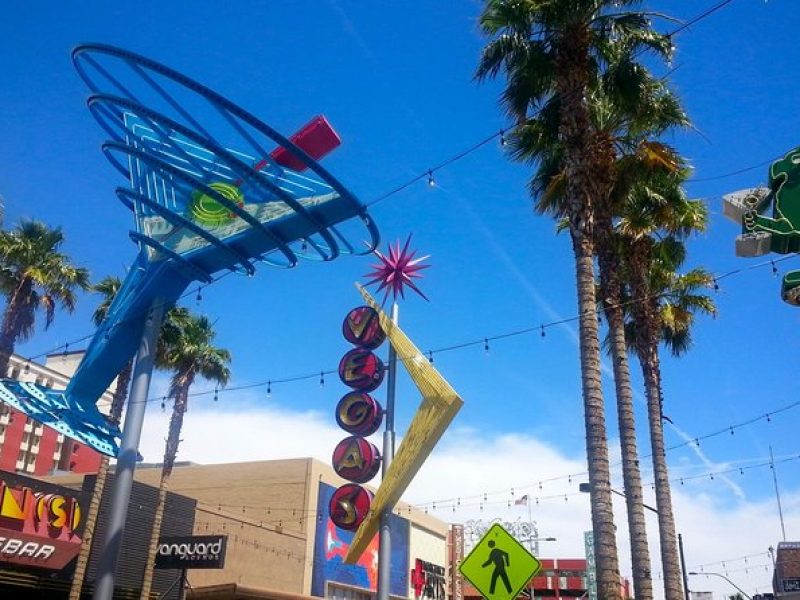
786 580
31 448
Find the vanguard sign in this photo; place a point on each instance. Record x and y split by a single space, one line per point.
39 522
192 552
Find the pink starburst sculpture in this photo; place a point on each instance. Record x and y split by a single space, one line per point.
397 270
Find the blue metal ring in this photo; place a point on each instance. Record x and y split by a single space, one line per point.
148 241
200 185
237 166
181 221
222 103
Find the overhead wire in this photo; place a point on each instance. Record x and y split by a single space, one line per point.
481 341
131 317
569 476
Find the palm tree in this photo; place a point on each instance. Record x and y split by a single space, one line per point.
108 288
187 350
34 274
639 159
646 159
559 58
657 216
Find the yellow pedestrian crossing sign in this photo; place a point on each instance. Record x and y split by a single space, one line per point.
499 566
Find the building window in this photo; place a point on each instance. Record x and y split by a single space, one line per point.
57 451
30 464
26 461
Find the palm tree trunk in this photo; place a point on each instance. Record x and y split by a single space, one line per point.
171 451
12 322
88 532
117 403
631 475
608 578
582 184
121 392
152 549
651 370
646 315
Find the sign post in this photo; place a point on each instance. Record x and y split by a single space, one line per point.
591 567
499 566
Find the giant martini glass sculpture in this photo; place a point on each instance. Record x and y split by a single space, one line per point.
211 189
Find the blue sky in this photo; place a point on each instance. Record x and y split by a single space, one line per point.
395 79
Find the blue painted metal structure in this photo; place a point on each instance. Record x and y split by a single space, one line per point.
268 213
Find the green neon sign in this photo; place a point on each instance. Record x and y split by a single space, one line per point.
770 218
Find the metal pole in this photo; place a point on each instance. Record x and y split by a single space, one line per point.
683 568
128 451
777 493
385 544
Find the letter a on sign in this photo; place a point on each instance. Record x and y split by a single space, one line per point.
439 406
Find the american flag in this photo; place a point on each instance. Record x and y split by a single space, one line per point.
523 501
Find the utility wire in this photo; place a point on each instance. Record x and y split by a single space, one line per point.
429 172
484 340
701 16
569 477
136 315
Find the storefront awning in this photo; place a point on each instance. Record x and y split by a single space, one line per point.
236 591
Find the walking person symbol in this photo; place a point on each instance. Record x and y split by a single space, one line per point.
500 560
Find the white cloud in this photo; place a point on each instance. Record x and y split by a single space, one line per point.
468 464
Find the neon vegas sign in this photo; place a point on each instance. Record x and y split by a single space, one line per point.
38 528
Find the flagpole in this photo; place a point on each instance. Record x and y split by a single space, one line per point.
530 524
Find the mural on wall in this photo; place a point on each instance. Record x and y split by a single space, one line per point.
331 545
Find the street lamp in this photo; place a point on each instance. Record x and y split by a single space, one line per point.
539 539
726 579
585 487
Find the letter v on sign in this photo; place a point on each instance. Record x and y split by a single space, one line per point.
9 507
439 406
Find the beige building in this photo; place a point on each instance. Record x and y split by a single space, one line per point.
280 538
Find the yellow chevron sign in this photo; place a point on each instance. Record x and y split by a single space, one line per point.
439 406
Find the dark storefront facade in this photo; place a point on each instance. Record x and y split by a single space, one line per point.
41 516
